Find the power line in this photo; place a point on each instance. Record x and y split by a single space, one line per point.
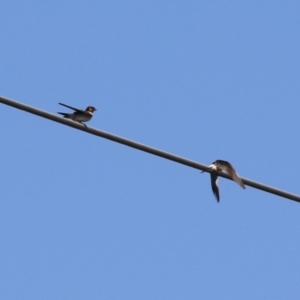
141 147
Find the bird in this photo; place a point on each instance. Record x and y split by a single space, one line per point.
224 166
79 115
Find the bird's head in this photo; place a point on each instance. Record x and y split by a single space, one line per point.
91 109
211 167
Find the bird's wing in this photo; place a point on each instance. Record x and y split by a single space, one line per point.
228 168
76 109
215 185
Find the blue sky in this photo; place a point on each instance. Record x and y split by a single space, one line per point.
85 218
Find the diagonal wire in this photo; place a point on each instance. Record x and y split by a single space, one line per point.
141 147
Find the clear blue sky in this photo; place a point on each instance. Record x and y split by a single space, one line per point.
85 218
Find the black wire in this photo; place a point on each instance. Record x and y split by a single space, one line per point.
141 147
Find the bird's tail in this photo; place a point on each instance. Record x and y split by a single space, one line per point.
64 114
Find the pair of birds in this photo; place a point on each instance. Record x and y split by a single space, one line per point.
217 166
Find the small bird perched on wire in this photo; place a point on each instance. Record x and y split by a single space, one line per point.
79 115
225 166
